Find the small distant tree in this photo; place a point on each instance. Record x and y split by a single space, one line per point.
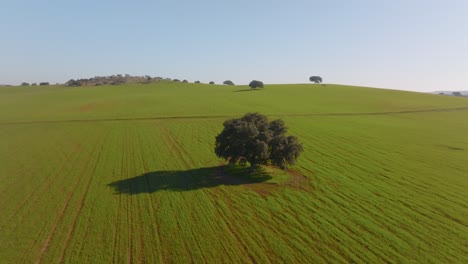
456 94
228 82
34 84
255 84
254 139
24 84
197 81
73 83
212 82
176 80
44 83
185 81
315 79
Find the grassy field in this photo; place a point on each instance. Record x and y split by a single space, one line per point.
127 174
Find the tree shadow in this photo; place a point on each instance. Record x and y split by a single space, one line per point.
187 180
246 90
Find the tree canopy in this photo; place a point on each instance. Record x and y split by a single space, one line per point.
255 139
315 79
255 84
211 82
228 82
73 83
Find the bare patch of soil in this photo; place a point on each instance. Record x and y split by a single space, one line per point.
296 180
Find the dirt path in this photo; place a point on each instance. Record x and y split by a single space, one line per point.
231 116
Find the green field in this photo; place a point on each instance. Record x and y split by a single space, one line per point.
127 174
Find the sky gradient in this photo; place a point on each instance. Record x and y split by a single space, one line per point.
410 45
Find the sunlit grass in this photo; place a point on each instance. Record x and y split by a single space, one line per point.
368 188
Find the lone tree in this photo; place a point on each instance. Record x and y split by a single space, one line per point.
24 84
254 139
456 94
185 81
315 79
212 82
44 83
255 84
228 82
197 81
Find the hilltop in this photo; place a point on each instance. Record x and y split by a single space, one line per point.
177 99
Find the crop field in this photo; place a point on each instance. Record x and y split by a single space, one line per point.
127 174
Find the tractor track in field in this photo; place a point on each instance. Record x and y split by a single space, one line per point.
154 205
129 200
147 188
44 181
116 237
232 116
187 161
81 204
60 217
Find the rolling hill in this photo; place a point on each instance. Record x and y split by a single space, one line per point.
128 174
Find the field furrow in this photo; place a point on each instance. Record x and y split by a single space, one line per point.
382 178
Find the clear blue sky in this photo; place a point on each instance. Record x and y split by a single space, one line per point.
402 44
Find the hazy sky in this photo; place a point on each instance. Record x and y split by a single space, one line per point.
409 44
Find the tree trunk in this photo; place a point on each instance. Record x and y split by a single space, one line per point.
253 167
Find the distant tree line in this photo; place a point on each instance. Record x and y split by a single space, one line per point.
127 78
453 94
112 80
34 84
